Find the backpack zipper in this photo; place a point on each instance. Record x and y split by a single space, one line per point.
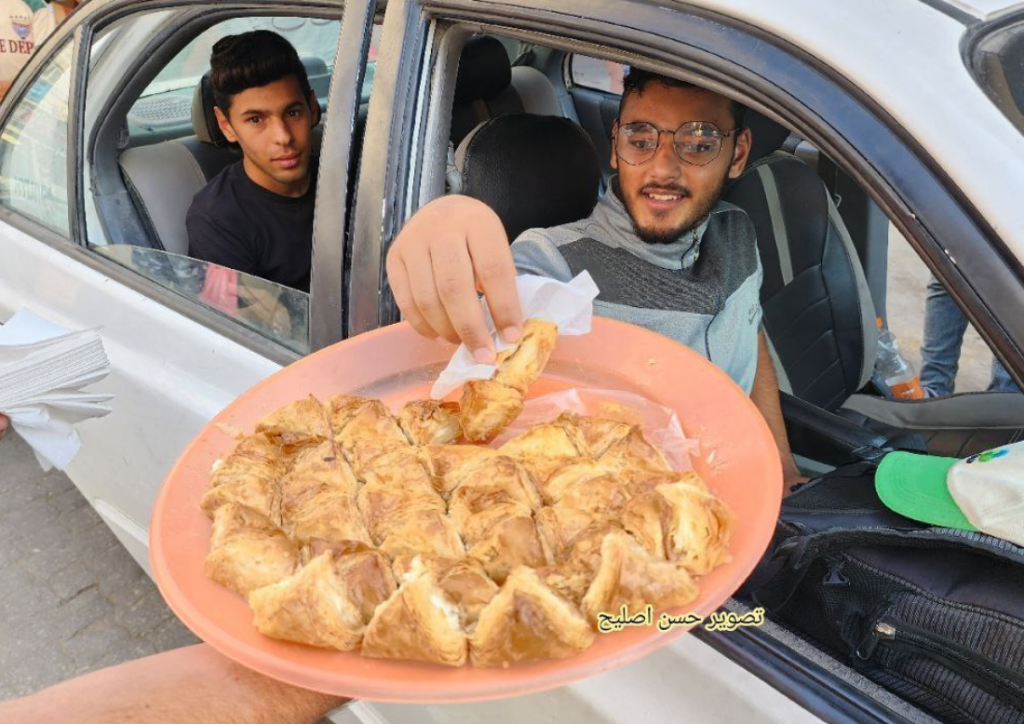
996 679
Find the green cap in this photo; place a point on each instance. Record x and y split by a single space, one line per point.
915 486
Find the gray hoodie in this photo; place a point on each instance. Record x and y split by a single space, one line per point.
702 291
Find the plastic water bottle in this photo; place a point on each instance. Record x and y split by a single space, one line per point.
898 374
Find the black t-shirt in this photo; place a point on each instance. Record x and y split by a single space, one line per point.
236 223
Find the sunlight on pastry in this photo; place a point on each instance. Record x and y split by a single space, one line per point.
350 527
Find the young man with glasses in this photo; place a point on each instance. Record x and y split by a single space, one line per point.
665 252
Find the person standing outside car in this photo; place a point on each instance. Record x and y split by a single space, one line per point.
16 41
665 252
46 19
944 329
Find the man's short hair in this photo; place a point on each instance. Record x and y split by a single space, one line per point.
637 80
251 60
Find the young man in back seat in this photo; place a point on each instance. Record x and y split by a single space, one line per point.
256 215
665 252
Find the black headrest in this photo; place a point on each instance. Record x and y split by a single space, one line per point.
767 135
204 122
484 70
534 171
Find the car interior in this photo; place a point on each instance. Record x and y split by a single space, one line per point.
535 146
820 298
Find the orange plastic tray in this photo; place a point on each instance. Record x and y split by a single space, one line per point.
738 460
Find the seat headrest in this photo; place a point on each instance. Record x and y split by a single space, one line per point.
204 121
534 171
484 70
767 135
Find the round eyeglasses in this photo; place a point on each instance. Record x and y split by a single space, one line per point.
697 143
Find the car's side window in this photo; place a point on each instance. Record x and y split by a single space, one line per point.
596 74
33 147
153 145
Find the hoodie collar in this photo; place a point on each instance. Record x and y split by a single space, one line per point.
614 220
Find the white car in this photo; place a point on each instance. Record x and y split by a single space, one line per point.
866 114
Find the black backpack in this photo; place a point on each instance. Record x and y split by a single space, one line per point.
934 615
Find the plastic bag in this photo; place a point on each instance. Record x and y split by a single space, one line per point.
660 424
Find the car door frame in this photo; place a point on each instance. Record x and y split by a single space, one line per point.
330 221
950 234
908 184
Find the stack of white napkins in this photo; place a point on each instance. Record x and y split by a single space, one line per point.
43 368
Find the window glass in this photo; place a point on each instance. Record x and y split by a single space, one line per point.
167 100
33 148
934 337
596 74
270 309
147 166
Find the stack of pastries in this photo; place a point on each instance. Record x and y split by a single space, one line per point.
348 527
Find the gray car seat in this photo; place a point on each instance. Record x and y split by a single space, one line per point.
820 319
489 86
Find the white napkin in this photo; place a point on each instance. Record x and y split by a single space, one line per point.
42 370
570 305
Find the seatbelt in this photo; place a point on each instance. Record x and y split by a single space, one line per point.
771 194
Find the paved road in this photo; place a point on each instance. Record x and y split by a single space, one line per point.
71 599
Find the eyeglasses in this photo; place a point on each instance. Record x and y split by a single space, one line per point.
697 143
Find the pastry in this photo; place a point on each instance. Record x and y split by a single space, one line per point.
315 469
449 464
384 507
300 424
681 523
254 456
247 551
430 422
463 579
349 527
576 470
630 576
633 452
512 541
418 622
558 527
327 603
519 366
528 621
488 406
428 532
592 436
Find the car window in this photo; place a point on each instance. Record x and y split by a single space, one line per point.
147 162
940 347
273 310
166 103
33 148
597 74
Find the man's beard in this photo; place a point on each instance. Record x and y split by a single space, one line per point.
702 209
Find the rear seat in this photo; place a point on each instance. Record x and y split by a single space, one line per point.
488 86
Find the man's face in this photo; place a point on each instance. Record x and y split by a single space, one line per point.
272 125
665 196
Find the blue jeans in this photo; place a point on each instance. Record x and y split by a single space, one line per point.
944 327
